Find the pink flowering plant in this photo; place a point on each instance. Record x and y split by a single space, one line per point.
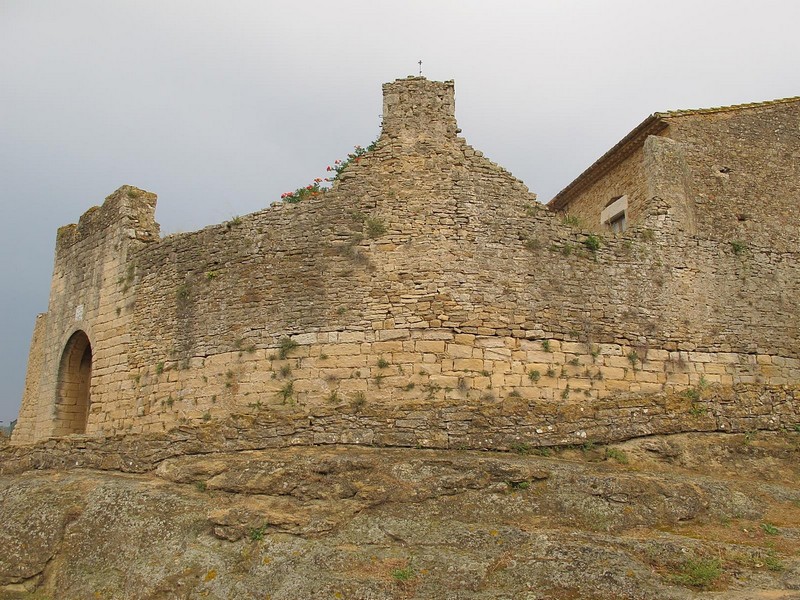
303 193
317 187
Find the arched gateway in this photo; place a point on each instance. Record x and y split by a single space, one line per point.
73 389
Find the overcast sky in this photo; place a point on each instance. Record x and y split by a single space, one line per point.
219 107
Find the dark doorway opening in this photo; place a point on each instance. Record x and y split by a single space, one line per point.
73 389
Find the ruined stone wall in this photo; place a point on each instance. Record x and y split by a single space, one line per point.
91 293
680 326
33 376
427 274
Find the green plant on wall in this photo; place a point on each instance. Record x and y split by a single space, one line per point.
532 244
359 401
182 293
285 345
375 227
286 392
697 410
738 247
592 243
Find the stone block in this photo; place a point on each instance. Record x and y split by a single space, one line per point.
305 339
678 378
393 334
610 350
728 358
615 385
432 346
490 342
620 362
540 357
468 364
343 349
645 376
574 348
384 347
699 357
437 334
351 336
495 354
459 350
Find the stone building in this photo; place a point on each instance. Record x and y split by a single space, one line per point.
429 274
730 172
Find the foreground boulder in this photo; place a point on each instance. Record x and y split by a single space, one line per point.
683 516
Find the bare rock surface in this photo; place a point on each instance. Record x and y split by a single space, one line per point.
671 517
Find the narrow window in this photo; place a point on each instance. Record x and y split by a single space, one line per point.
614 215
617 224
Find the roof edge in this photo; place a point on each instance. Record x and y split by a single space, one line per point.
619 152
626 146
732 107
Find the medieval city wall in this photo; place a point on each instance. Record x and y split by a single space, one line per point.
90 293
522 308
426 275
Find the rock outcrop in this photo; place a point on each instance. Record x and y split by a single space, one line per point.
682 516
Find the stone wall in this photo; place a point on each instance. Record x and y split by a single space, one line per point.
392 367
512 424
90 292
745 171
33 377
427 274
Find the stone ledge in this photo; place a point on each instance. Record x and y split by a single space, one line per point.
445 425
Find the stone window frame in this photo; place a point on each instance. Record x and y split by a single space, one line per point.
615 214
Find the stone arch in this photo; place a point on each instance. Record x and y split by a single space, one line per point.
73 387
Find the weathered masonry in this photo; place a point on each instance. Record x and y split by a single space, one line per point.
730 172
430 275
